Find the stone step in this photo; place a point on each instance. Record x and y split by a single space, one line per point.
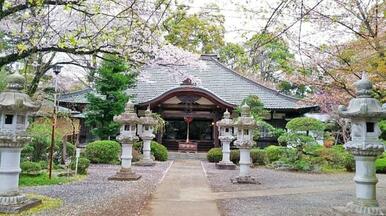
187 156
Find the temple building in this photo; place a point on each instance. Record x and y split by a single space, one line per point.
200 101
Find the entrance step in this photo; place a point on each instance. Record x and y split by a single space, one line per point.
173 155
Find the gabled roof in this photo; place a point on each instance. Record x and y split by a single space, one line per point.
75 97
214 77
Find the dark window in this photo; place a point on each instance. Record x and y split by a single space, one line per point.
127 127
370 127
8 119
227 130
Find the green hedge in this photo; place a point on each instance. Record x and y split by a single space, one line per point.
235 156
104 151
30 167
159 151
274 153
214 155
380 165
259 156
83 164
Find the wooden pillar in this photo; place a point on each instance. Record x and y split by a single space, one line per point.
216 141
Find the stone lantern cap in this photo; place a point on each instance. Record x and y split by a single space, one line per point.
13 100
148 119
129 116
363 106
226 121
245 121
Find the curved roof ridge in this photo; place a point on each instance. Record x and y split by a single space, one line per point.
76 92
250 80
183 87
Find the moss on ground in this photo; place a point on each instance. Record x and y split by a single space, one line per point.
44 180
47 204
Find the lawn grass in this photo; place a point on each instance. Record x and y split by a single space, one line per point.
47 203
43 179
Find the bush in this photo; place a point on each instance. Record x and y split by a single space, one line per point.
235 156
159 151
83 164
104 151
274 153
305 124
259 156
136 155
380 165
70 151
30 167
138 146
214 155
43 164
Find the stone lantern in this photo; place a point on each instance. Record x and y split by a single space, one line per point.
145 131
225 127
244 128
364 112
15 107
127 137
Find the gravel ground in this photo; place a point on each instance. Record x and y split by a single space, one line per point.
302 204
97 196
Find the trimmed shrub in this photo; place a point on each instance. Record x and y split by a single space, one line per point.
104 151
30 167
380 165
259 156
235 156
159 151
83 164
136 155
214 155
274 153
305 124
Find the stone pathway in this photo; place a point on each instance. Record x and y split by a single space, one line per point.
184 191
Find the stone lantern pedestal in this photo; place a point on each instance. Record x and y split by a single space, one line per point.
225 126
146 134
364 112
127 138
245 125
15 107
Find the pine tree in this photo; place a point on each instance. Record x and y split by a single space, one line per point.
112 78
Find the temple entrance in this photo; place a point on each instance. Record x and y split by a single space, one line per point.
200 132
193 106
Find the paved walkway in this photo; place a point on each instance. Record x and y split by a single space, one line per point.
184 191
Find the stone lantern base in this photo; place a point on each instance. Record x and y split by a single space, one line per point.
244 180
225 165
145 163
125 175
352 209
16 203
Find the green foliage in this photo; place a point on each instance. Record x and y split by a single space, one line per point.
259 156
112 79
30 167
104 151
234 56
3 76
70 151
200 33
159 151
274 153
382 126
38 148
43 179
380 165
305 124
235 156
214 155
297 90
268 54
83 164
256 105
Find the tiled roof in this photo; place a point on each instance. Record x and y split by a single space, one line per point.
215 78
75 97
